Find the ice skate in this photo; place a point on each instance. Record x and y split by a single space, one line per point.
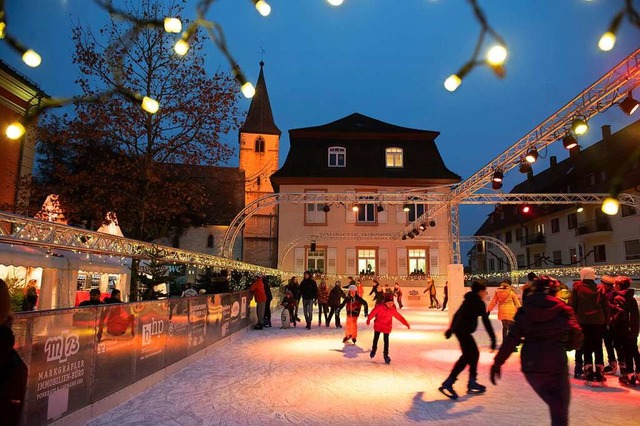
598 377
354 340
372 353
475 387
387 360
611 369
447 390
346 339
590 377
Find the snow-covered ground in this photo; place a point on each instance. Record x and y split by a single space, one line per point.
309 377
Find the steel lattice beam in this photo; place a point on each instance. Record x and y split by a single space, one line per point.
598 97
497 198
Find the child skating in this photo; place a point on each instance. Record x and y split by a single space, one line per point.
383 315
354 303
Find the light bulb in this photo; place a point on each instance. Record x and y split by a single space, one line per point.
3 27
607 41
497 55
31 58
172 25
335 2
452 82
150 105
579 126
263 8
610 206
15 131
181 47
248 90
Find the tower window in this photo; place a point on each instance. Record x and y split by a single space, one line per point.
337 156
259 144
393 157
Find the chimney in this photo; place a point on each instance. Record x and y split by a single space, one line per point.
573 152
530 174
606 131
553 161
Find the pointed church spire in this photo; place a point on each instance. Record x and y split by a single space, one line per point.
260 118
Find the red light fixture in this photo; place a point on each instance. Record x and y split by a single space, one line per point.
569 141
526 209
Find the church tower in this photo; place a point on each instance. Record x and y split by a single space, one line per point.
259 144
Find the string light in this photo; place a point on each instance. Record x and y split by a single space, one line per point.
15 130
335 2
607 41
172 25
262 7
497 55
610 206
452 82
150 105
181 47
31 58
248 90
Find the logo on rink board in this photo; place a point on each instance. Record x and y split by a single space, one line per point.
62 347
154 328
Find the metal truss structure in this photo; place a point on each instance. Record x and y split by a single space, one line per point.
498 198
27 231
323 236
344 199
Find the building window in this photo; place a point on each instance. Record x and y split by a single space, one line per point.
337 156
415 211
500 264
316 261
573 256
628 210
366 211
507 237
599 253
417 261
367 261
210 241
537 260
492 265
393 157
555 225
632 249
521 261
314 213
603 176
518 234
540 229
259 147
572 220
557 257
499 236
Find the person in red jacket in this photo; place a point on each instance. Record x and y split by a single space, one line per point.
383 314
260 295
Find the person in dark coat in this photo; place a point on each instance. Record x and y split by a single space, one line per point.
608 337
335 299
309 295
464 323
446 295
94 298
294 287
116 297
267 306
30 297
377 292
589 301
626 323
549 329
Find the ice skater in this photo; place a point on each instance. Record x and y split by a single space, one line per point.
383 315
354 303
465 322
549 328
289 305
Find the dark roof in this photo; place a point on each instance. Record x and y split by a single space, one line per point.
260 118
226 182
365 140
22 78
610 155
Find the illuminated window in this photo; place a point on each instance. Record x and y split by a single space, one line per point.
367 261
393 157
259 144
316 260
337 156
417 261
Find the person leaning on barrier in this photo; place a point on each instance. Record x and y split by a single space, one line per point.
94 298
549 329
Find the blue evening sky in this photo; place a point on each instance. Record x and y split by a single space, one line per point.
386 59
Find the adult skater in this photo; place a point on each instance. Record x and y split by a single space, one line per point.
446 295
383 315
354 303
335 298
294 287
626 322
257 290
549 329
508 303
323 302
397 291
431 288
465 322
309 294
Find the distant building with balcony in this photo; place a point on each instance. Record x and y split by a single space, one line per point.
561 235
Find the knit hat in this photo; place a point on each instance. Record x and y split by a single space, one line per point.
388 297
353 287
587 274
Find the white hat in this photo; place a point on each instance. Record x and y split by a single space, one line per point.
587 274
353 287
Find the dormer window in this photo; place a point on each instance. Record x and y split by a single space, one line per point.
259 144
337 156
394 157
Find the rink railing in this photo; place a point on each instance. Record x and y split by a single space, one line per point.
81 355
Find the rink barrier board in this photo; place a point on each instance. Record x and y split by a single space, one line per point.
83 359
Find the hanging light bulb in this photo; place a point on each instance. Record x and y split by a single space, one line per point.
452 82
406 208
569 141
526 209
579 126
150 105
15 130
172 25
335 2
532 155
262 7
31 58
610 206
248 90
607 41
579 209
181 47
497 55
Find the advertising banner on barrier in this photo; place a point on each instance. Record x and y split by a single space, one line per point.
178 332
153 326
236 310
115 349
197 324
214 318
60 370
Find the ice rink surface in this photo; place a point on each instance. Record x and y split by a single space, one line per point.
309 377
